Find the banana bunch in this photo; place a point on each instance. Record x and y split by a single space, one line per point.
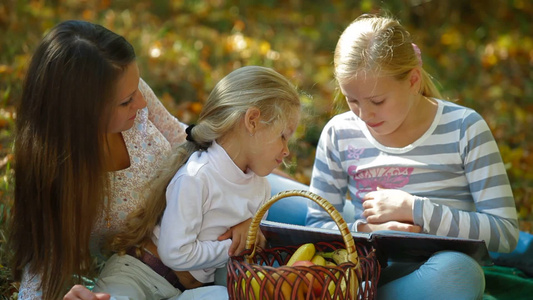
291 284
306 255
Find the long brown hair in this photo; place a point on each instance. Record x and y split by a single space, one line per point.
246 87
60 175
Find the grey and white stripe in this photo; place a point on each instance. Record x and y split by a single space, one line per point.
455 171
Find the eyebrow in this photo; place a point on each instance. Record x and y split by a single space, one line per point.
374 96
367 98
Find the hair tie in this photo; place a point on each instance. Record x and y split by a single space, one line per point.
188 132
418 53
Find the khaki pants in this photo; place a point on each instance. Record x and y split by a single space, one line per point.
127 278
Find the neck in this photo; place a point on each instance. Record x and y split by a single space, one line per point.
415 125
232 144
116 153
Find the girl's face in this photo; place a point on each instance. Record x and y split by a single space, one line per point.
128 100
269 146
383 103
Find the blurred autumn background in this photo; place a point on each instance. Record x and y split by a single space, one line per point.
480 51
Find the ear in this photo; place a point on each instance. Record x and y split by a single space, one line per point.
415 80
251 119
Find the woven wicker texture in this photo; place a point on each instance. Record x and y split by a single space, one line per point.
263 274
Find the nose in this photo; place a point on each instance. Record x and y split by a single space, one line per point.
139 100
286 151
365 113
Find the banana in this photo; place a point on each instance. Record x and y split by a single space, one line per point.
254 284
339 256
332 286
304 252
318 260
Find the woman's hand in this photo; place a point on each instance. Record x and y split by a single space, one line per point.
80 292
392 225
238 235
386 205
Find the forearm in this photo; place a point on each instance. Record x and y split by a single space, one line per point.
500 234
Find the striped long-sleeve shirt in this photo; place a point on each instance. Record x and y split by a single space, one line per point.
454 170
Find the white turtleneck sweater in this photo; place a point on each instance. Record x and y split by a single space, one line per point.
206 197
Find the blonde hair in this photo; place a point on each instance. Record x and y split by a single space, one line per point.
246 87
382 45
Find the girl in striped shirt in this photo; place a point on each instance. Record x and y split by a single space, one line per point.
410 161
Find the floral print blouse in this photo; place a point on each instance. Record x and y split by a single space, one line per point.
150 139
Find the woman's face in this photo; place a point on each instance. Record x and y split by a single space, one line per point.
128 100
383 103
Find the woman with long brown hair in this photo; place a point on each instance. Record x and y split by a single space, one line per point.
90 134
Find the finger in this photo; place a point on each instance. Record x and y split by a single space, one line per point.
368 196
261 240
102 296
80 292
368 212
374 219
226 235
368 204
416 229
234 246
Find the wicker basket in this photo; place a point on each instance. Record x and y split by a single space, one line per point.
263 274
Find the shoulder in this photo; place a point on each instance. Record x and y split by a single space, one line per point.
148 93
144 88
343 126
457 111
466 118
197 163
190 173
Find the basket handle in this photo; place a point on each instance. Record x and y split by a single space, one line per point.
328 207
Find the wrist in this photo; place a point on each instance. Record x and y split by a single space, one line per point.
408 207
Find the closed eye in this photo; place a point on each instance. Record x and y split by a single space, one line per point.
377 102
352 100
128 101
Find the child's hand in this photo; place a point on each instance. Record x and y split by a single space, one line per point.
81 292
238 235
392 225
386 205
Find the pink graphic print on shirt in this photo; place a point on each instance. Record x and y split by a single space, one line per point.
387 178
354 153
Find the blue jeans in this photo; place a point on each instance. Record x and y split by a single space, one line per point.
445 275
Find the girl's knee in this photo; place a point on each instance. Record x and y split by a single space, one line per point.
459 272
